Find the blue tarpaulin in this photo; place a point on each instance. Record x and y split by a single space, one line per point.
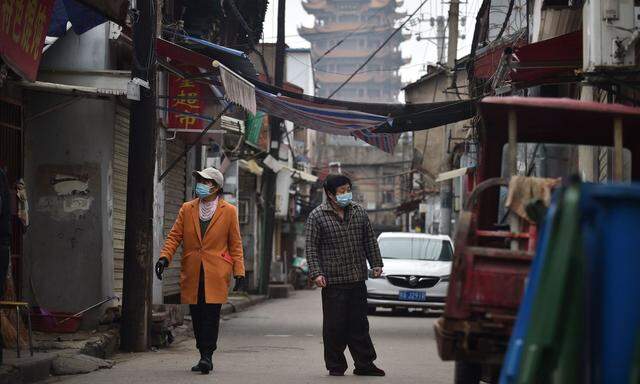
82 18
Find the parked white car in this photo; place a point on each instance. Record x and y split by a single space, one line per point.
416 272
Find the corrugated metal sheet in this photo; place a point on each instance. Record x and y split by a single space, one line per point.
174 196
120 164
557 22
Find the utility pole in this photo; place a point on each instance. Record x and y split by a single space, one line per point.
441 35
138 246
274 151
446 187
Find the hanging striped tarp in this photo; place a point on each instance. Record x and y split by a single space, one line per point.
328 119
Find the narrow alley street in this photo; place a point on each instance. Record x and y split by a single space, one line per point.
280 342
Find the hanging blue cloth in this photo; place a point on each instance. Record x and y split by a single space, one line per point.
82 18
59 19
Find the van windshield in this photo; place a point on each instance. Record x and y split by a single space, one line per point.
415 248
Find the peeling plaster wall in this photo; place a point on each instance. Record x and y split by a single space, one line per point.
68 248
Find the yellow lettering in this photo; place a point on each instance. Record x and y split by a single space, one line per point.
27 32
7 12
187 121
186 83
18 23
38 32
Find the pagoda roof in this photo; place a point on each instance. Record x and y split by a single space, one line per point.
314 4
355 27
365 77
352 53
321 5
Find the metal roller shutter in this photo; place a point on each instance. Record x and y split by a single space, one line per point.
120 164
174 197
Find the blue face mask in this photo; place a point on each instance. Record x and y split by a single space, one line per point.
344 199
203 190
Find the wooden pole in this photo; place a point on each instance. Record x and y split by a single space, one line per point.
446 187
513 143
268 222
138 245
617 149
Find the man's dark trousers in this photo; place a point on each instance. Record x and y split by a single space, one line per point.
345 323
206 320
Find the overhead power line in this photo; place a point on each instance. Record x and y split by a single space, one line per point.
377 49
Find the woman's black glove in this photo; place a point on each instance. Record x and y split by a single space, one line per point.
160 266
239 284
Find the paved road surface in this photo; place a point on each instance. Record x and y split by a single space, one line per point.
280 342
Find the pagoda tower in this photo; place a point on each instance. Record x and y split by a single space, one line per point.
368 23
360 27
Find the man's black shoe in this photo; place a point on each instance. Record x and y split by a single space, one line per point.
205 366
371 371
336 373
196 368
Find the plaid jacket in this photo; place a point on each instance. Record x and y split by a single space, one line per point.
337 249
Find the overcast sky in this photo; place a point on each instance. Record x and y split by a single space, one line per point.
421 52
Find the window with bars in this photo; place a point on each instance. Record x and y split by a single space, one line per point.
243 211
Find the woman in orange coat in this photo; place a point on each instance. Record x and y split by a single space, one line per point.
209 231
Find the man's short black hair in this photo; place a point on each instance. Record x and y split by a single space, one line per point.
333 182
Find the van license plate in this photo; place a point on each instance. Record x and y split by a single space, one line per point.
413 296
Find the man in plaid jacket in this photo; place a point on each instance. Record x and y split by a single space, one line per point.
339 242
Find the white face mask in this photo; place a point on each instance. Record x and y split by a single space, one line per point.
344 199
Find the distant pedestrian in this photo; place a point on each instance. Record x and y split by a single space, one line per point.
209 231
339 242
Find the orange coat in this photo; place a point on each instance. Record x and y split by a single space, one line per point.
219 250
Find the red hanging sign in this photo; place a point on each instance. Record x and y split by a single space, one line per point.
185 96
23 28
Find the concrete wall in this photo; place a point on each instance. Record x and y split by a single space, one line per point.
80 52
430 144
68 248
68 168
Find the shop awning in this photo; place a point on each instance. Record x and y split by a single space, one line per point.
73 90
251 166
277 166
453 174
559 120
302 175
550 60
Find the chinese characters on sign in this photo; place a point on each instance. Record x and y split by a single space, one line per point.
185 96
23 27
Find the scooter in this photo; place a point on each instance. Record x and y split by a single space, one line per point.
299 273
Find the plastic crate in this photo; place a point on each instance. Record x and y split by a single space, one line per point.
50 322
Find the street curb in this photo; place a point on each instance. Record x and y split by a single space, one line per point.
241 303
33 369
30 370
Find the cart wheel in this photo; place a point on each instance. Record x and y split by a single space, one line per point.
467 373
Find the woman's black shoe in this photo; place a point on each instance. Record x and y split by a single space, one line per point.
371 371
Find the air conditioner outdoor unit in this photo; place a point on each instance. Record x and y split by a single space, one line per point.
610 30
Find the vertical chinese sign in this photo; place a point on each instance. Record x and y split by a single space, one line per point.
185 96
23 28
